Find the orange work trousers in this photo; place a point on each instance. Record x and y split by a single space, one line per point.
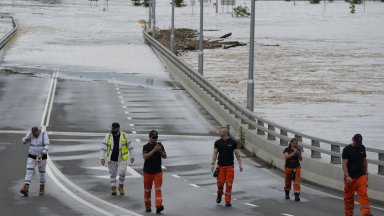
149 180
296 180
359 186
226 176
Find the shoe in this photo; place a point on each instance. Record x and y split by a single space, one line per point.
297 197
159 209
287 195
114 192
42 190
121 189
25 190
228 204
218 199
148 210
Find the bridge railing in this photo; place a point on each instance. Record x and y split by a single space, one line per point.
270 130
7 37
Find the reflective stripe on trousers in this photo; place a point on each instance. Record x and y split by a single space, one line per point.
296 181
149 180
226 176
31 164
117 168
359 186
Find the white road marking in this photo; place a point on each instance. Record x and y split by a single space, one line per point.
126 112
122 102
252 205
132 125
125 107
52 97
176 176
120 97
138 140
194 185
118 92
117 88
49 102
130 170
286 214
163 167
129 118
134 132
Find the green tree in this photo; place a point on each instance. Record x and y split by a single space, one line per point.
179 3
136 2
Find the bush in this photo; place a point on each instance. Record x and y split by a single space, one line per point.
179 3
314 1
241 11
136 2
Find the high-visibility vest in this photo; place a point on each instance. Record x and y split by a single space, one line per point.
124 147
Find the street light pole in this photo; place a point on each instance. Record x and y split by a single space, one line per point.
172 39
154 19
201 42
251 84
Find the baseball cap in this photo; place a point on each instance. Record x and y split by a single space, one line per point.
153 133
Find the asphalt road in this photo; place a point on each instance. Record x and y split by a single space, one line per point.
82 112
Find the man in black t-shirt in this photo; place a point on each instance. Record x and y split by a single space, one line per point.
223 150
153 152
355 176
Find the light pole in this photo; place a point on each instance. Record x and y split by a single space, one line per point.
251 84
154 19
172 39
201 42
150 14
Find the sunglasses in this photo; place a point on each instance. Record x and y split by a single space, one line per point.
155 137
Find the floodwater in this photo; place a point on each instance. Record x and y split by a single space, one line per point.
318 68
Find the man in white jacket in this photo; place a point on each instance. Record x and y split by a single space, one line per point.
38 149
116 150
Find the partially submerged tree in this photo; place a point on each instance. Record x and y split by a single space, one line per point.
180 3
241 11
136 2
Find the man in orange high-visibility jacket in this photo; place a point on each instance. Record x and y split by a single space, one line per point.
223 150
153 152
355 176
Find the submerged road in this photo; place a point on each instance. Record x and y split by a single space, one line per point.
79 113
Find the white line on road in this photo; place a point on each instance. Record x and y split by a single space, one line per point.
52 98
125 107
252 205
126 112
138 140
194 185
132 125
122 102
286 214
129 118
176 176
134 132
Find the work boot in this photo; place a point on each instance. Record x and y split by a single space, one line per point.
121 189
287 194
218 199
159 209
228 204
25 190
297 197
148 209
42 190
114 192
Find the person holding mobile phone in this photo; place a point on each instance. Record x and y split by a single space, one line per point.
153 153
292 155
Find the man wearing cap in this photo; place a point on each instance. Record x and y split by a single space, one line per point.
116 150
37 156
153 152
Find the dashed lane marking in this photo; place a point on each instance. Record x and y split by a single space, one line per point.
252 205
194 185
176 176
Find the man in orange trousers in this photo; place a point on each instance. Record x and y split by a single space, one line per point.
355 176
224 150
153 152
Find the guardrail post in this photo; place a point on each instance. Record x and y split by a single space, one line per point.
381 167
335 159
282 141
260 132
270 136
314 153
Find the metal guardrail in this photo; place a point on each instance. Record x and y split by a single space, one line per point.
262 126
6 38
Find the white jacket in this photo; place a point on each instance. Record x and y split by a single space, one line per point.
36 145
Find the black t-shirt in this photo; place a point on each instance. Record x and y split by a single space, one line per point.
153 164
292 162
225 149
115 150
355 157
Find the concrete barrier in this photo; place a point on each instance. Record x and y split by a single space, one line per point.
266 139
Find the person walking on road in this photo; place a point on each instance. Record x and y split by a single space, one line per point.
37 156
224 150
355 176
153 153
292 170
115 152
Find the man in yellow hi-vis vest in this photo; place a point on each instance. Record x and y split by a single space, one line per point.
116 150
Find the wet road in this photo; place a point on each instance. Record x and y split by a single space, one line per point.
99 81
